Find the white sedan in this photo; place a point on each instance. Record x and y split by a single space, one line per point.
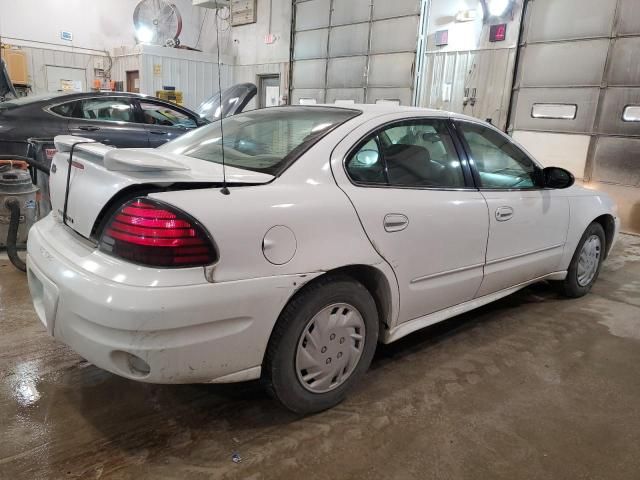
326 231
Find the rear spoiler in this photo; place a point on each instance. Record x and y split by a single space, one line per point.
120 160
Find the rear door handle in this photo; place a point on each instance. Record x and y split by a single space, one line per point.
504 213
395 222
89 128
155 132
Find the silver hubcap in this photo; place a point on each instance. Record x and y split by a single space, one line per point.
589 260
330 347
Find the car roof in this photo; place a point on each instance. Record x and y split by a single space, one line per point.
60 97
370 110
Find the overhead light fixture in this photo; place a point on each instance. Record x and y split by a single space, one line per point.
144 34
497 8
468 15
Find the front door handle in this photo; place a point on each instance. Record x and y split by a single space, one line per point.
156 132
395 222
504 213
89 128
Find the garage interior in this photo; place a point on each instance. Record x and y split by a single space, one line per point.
531 386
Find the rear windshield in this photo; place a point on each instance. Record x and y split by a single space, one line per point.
266 140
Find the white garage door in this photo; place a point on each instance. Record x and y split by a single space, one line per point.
359 51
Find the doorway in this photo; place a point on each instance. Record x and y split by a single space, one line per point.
269 90
133 81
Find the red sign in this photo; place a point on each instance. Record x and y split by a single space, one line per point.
498 33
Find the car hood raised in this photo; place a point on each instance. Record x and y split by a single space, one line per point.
234 100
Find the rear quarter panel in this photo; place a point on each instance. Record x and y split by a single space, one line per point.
306 200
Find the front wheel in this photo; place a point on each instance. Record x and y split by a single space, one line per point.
321 345
585 264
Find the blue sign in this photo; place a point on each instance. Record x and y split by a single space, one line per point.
68 36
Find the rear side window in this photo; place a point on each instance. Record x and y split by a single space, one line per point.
68 109
416 153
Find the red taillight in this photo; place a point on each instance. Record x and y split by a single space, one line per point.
151 233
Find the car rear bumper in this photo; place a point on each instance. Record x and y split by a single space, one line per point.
171 334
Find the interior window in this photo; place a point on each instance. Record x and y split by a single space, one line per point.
156 114
109 109
499 162
417 153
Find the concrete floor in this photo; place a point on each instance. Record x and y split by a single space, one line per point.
532 387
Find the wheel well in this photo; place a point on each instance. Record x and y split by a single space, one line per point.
609 226
373 280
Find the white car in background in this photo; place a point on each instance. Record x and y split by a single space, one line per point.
328 230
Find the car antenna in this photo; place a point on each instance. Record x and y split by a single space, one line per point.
224 190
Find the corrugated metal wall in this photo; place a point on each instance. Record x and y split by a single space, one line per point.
193 73
198 80
39 58
583 53
123 63
469 62
360 50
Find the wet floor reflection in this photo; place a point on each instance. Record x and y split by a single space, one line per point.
61 417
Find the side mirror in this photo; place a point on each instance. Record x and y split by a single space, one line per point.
367 157
556 177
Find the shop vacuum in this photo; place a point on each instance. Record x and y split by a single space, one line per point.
24 195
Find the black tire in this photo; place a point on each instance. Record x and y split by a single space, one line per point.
570 287
279 371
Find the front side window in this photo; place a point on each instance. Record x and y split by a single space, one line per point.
500 164
265 140
416 153
157 114
106 109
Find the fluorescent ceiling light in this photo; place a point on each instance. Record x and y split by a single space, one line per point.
497 8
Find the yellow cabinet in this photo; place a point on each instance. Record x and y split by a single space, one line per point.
16 61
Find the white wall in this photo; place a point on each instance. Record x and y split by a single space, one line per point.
99 25
95 24
252 56
248 40
470 35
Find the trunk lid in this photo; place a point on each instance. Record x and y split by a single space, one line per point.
100 172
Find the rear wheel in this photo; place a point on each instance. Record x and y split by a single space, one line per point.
585 264
321 345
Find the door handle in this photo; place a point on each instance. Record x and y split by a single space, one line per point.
504 213
89 128
155 132
395 222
